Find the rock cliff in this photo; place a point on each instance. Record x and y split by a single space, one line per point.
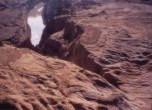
114 40
13 21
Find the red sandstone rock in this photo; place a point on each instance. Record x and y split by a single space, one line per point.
30 81
113 40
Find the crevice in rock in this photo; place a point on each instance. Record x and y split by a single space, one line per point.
78 106
52 27
7 106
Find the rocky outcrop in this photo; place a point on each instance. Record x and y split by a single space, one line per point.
95 30
56 12
113 40
30 81
13 21
13 25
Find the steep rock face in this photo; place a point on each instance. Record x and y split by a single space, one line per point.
113 40
29 81
13 21
56 12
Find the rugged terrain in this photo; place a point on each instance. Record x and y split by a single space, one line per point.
114 40
31 81
93 56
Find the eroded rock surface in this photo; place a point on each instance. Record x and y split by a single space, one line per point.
114 40
13 19
111 42
29 81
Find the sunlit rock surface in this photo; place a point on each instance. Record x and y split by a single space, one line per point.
30 81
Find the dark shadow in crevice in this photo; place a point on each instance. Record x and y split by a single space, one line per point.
7 106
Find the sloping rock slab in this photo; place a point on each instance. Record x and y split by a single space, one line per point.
29 81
